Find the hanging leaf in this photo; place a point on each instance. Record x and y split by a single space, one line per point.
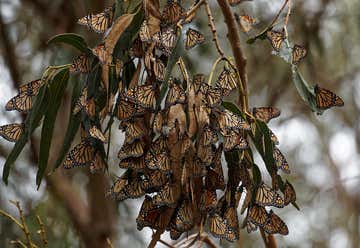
56 92
305 90
32 121
74 40
73 125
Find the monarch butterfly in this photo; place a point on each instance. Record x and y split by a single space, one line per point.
326 99
134 189
143 95
234 140
273 137
151 216
228 120
144 32
208 200
98 22
275 225
12 132
133 150
98 164
172 13
298 53
214 180
133 163
257 215
166 196
134 130
154 179
289 193
83 103
266 196
276 38
127 109
158 122
100 52
220 229
117 190
193 38
80 64
216 164
32 88
21 102
158 160
231 218
97 134
265 114
184 217
205 154
250 227
198 82
165 40
136 49
280 161
81 155
245 176
174 234
175 95
159 70
246 22
213 96
208 136
227 80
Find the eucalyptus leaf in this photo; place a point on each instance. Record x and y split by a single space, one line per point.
32 121
56 92
74 40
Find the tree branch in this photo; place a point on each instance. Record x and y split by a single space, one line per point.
240 60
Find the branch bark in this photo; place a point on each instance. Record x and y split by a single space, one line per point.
235 42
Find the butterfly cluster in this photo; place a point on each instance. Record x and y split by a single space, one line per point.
185 151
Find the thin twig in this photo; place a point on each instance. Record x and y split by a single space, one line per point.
287 19
18 242
272 24
190 12
240 60
42 231
183 69
213 29
166 244
25 228
263 235
209 242
155 238
108 241
12 218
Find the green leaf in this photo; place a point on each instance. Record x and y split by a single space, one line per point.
175 55
56 92
264 145
130 33
233 108
71 39
256 175
32 121
73 125
305 90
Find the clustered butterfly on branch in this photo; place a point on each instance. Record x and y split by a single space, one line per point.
177 130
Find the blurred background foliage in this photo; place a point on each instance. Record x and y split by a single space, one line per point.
323 151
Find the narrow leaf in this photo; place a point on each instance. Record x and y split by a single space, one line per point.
73 125
74 40
56 92
32 121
